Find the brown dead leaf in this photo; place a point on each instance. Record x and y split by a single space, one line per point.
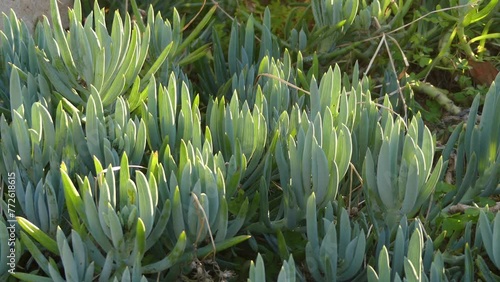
250 5
482 72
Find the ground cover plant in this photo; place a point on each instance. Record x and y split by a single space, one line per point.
213 141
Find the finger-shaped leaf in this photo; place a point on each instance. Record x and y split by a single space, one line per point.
52 208
107 268
384 176
344 233
320 173
257 270
23 139
287 272
38 235
68 261
115 227
235 225
384 269
415 252
398 253
92 128
35 252
411 188
371 275
410 271
343 156
429 185
92 219
140 242
355 254
329 250
469 264
369 172
169 260
312 262
158 63
79 254
60 37
306 159
196 31
177 214
312 224
496 240
16 94
32 277
146 207
74 202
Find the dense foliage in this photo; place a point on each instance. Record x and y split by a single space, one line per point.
156 148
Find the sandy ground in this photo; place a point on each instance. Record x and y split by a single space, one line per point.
31 11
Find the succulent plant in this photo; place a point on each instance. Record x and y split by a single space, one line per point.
477 167
402 179
124 172
490 232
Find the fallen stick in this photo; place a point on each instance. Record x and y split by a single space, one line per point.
440 95
460 208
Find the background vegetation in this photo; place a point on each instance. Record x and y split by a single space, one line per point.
263 140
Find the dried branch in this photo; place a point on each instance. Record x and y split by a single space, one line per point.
460 208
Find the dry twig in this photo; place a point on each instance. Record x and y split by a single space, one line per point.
460 208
